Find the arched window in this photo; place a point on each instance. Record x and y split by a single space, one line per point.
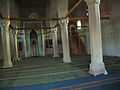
79 24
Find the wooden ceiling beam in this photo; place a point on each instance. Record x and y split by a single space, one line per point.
73 8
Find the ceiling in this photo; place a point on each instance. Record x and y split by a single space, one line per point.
26 7
32 3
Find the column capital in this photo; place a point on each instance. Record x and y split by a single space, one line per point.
64 21
5 23
38 31
14 32
89 2
52 23
28 31
55 28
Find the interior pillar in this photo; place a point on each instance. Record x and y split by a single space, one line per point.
55 43
39 43
97 66
6 44
24 44
11 36
43 43
16 45
65 41
27 36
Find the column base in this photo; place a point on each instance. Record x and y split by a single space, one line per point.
8 65
43 55
66 60
97 69
17 60
56 56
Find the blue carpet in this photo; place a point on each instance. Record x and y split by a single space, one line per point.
114 86
67 83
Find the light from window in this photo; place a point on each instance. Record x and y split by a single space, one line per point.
78 24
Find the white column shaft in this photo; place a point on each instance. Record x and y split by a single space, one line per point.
97 65
6 45
55 44
43 43
65 42
16 45
39 43
28 44
24 44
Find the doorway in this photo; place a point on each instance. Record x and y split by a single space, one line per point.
34 42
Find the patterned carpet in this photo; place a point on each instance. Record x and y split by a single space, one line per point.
44 73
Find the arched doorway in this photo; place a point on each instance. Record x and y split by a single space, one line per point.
33 42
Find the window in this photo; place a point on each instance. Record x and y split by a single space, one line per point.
78 24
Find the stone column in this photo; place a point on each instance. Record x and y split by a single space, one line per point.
24 44
55 43
14 48
43 43
28 47
65 41
6 44
39 43
11 36
16 57
97 66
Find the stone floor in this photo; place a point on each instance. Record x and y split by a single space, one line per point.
47 70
